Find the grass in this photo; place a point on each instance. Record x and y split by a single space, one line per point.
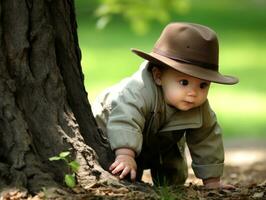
241 27
167 193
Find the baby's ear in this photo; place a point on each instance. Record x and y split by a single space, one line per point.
157 74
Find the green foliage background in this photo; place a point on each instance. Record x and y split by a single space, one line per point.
241 27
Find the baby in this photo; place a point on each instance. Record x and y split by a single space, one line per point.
149 116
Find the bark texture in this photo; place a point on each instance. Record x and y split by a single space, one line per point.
44 108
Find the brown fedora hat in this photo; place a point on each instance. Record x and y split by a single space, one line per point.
192 49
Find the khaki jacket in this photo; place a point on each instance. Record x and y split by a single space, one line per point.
133 113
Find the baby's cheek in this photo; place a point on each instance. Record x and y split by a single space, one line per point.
172 95
202 100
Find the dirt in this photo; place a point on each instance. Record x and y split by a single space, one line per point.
245 168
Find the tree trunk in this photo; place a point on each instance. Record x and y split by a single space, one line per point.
44 108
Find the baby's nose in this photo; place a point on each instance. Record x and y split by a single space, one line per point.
192 92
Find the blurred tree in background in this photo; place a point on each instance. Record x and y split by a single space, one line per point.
140 13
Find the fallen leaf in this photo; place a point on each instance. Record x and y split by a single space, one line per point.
233 175
262 184
258 195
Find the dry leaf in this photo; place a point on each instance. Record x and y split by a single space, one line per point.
258 195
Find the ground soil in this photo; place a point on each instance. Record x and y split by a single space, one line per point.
245 167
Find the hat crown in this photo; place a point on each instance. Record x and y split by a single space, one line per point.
189 48
190 43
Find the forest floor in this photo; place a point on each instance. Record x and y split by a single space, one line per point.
245 167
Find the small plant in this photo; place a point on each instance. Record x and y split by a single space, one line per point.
166 193
170 193
70 179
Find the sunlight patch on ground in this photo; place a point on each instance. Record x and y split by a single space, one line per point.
244 157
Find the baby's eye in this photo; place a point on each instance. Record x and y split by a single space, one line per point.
204 85
183 82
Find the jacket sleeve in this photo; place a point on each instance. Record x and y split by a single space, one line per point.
206 146
126 120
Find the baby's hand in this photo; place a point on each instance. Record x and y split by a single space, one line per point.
215 183
124 163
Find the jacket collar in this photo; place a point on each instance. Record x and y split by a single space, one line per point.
184 120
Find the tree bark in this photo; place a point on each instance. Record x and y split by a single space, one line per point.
44 108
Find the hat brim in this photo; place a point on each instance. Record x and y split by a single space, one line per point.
189 69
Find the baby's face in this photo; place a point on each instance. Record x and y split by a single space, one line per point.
182 91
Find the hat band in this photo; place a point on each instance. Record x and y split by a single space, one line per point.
188 61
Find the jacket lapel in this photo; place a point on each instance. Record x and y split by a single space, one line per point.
184 120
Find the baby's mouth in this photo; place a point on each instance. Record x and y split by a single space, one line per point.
189 102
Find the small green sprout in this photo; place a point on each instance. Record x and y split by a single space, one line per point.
70 179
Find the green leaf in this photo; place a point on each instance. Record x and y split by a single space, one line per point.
102 22
55 158
64 154
70 180
74 165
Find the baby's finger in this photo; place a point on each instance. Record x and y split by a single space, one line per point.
119 168
114 165
133 175
124 172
